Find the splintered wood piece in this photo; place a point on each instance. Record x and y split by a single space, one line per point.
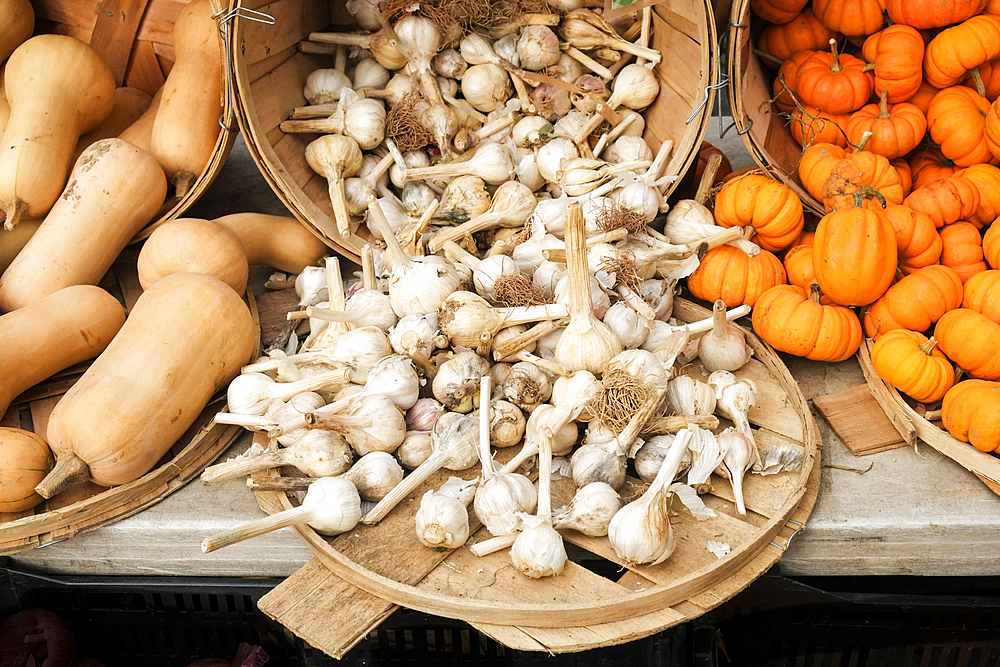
114 32
858 420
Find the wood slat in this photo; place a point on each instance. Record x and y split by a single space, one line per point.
858 420
115 28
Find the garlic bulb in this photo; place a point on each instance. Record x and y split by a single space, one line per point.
530 131
310 286
456 383
450 64
599 299
537 47
359 349
442 522
486 87
464 198
393 376
325 85
253 393
527 172
507 424
573 395
416 449
734 397
659 294
551 102
331 506
465 317
374 475
366 13
630 327
369 73
628 148
369 422
527 386
641 199
590 511
690 397
641 365
741 454
724 348
316 453
640 532
707 453
550 156
414 336
649 458
335 157
423 414
412 160
282 412
416 197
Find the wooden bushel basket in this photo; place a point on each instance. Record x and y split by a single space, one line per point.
270 71
764 131
366 572
135 37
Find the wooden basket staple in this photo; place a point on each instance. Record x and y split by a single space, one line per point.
135 37
270 71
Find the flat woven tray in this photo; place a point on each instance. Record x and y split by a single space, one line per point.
370 570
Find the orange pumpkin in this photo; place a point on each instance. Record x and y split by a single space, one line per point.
918 243
833 81
865 173
946 200
957 49
902 168
798 262
929 164
768 206
851 17
815 165
808 125
982 294
805 32
785 81
915 302
910 362
962 249
987 180
854 255
792 319
956 121
932 13
897 54
991 245
972 341
970 411
985 79
922 98
777 11
730 274
895 130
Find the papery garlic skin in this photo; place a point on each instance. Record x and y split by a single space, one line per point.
537 47
457 380
324 86
442 522
538 550
499 498
590 511
422 415
486 87
374 475
311 287
691 397
707 454
415 449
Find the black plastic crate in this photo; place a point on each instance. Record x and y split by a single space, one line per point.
171 621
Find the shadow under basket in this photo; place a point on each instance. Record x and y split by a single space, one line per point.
270 72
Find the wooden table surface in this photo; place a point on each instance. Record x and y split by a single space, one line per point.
913 512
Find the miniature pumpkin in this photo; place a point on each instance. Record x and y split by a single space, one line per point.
809 125
729 274
784 81
962 249
771 208
985 79
815 165
798 263
956 120
915 302
918 243
987 180
991 245
972 341
957 49
982 294
866 173
929 164
792 319
970 411
931 13
854 255
851 17
778 11
910 362
895 130
897 54
834 82
902 168
946 200
805 32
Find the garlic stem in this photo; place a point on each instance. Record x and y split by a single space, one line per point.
505 349
588 62
635 302
368 267
485 415
315 455
493 544
251 422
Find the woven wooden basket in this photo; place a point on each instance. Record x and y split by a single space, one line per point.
87 506
764 131
366 572
135 37
270 71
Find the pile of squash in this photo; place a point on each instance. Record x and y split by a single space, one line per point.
91 182
895 105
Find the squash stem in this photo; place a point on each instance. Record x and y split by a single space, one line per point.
69 470
182 180
15 210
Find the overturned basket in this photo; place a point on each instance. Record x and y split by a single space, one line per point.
270 71
597 600
136 40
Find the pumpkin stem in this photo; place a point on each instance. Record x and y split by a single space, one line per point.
70 469
883 105
977 77
864 141
15 210
868 192
928 345
868 67
814 293
767 56
836 66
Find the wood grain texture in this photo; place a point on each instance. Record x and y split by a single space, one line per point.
858 420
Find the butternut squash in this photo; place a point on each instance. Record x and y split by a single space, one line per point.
130 104
274 240
25 459
65 328
13 240
186 128
115 189
185 339
4 105
193 245
139 132
58 89
17 26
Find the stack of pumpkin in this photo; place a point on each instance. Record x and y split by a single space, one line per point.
901 137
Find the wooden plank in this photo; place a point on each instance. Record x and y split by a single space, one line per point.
115 29
144 71
858 420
